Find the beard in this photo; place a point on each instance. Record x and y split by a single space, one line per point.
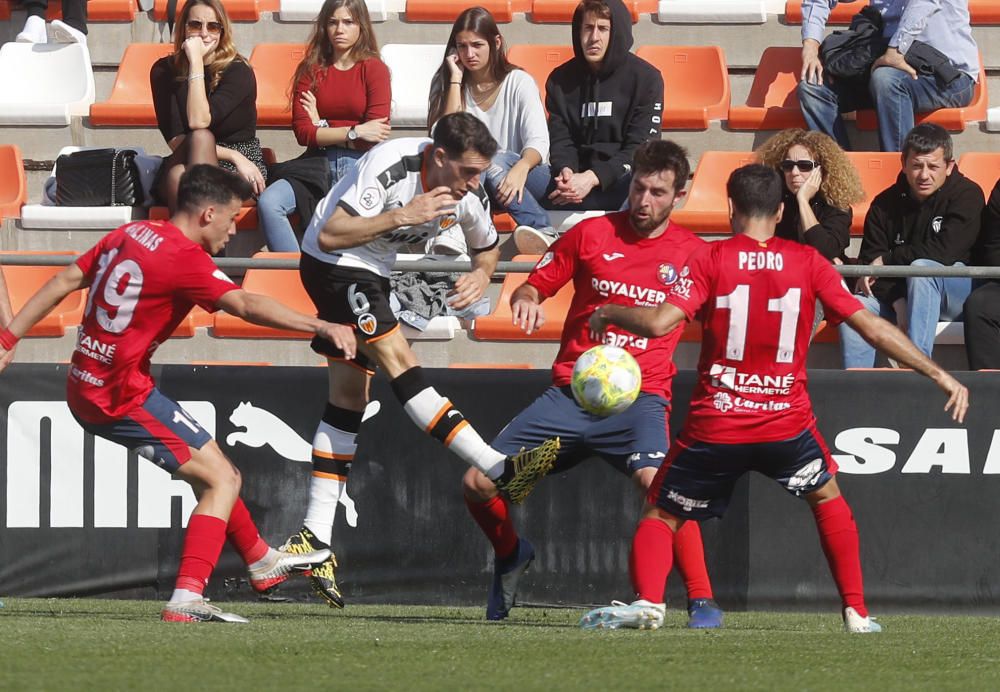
650 223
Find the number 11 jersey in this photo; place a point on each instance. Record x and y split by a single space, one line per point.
757 302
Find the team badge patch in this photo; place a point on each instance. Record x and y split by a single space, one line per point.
369 198
667 273
367 323
447 222
936 224
546 259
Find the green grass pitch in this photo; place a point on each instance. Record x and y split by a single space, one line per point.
89 644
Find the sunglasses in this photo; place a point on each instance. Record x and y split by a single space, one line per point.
804 165
195 25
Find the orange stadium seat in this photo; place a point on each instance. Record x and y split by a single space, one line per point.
498 326
696 82
238 10
983 168
131 100
24 281
281 284
561 11
980 12
705 209
274 65
246 220
772 103
448 10
504 223
4 10
13 182
198 317
539 61
878 170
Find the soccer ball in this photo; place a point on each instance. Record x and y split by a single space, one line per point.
606 380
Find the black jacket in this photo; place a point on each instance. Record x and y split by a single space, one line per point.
987 250
830 236
623 103
943 228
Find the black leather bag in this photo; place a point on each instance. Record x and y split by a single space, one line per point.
98 178
850 54
929 61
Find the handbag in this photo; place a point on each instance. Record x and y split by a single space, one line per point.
98 178
850 54
929 61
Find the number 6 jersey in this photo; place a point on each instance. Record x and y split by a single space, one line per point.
144 279
757 302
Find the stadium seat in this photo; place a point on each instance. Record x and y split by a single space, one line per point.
97 10
772 103
274 65
281 284
953 119
498 326
307 10
238 10
4 10
539 61
696 80
13 182
448 10
131 100
504 223
561 11
705 209
878 170
198 317
712 11
980 12
44 84
24 281
983 168
411 67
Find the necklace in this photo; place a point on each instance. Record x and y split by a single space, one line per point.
484 93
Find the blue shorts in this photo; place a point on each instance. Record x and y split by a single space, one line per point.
634 439
160 430
698 478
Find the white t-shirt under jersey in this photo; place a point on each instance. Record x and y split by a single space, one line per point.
517 118
387 178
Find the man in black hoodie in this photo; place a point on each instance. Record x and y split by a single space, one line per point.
602 104
982 308
929 218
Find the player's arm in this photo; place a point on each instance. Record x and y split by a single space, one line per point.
887 338
268 312
346 230
470 287
38 306
526 308
652 322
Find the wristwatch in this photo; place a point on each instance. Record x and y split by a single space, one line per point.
352 134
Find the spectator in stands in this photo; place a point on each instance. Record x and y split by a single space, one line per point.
821 184
6 315
897 87
982 307
72 28
476 77
930 217
205 97
340 110
603 103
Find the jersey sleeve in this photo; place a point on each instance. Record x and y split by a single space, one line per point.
692 287
557 265
87 261
199 279
477 221
371 192
831 291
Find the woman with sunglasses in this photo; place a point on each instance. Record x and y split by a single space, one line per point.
205 96
821 184
340 110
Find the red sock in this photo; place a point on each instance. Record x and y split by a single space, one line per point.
689 555
651 559
202 545
838 535
243 534
493 517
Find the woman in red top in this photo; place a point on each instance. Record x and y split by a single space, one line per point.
340 107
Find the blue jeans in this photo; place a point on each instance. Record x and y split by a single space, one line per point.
278 201
529 211
929 300
896 95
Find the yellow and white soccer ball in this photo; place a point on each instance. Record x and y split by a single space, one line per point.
606 380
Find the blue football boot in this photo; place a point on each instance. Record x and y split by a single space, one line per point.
506 573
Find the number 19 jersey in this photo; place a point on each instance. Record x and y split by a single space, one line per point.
757 303
144 279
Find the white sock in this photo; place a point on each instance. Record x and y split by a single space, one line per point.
185 596
324 496
333 452
33 31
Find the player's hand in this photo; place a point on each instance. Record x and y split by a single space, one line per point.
6 357
308 101
341 336
812 68
893 58
468 289
598 325
512 186
528 315
429 206
958 397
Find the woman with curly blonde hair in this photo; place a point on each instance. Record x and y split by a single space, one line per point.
821 184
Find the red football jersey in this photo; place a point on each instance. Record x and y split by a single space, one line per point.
144 279
757 303
609 263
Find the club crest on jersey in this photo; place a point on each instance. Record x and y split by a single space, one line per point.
936 223
667 273
369 198
546 259
367 323
685 270
447 222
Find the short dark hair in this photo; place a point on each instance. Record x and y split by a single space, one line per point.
755 190
655 155
458 133
926 138
204 184
595 7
